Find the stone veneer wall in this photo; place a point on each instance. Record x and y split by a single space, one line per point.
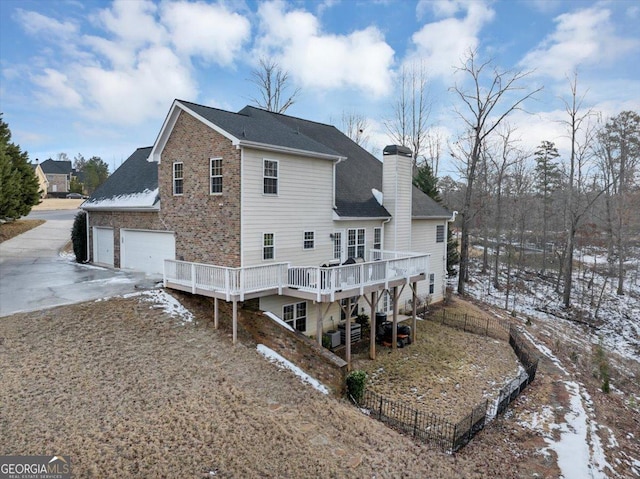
121 219
207 227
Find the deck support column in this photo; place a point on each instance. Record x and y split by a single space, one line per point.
235 321
319 327
414 324
215 313
347 335
394 333
372 321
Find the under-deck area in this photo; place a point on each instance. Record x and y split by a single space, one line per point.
388 271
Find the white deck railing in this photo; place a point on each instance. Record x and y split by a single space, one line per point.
311 279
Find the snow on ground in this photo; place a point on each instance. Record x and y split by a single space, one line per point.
283 363
277 320
166 302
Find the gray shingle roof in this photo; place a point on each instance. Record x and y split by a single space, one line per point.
355 176
55 167
134 176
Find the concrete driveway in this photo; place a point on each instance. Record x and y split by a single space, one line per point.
34 276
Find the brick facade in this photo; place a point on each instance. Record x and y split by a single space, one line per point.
207 227
58 183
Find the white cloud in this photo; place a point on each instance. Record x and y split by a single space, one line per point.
584 37
35 23
57 89
136 59
361 59
442 45
208 30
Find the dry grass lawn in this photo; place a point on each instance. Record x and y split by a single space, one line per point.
17 227
57 204
446 372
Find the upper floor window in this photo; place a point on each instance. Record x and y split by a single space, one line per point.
178 178
440 234
377 238
270 177
309 240
355 243
268 246
216 176
432 283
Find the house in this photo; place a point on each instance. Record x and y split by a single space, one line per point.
58 174
265 206
43 183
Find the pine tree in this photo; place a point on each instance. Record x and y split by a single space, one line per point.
428 183
547 181
20 189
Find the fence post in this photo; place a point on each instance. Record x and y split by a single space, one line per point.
380 410
465 321
443 313
415 423
486 331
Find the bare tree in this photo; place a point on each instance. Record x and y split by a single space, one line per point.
411 110
483 109
618 150
355 126
434 145
272 82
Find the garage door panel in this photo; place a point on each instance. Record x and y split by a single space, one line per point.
146 250
103 245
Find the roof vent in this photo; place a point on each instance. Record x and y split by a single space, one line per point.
397 150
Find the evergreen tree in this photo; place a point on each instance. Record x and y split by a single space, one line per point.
19 189
428 183
547 181
95 171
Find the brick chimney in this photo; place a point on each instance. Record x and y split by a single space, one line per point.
397 169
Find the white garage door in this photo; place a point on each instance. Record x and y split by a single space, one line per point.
103 245
146 250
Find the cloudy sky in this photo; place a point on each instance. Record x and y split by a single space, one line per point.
97 77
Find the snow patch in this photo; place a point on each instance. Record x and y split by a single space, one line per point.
168 303
283 363
144 199
377 195
278 320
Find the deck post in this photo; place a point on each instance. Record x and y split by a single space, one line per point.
414 324
319 322
347 335
394 333
235 321
215 313
372 322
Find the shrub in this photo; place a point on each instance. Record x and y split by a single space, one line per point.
362 319
356 383
79 237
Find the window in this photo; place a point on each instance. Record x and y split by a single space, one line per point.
440 234
377 238
355 243
270 177
268 246
295 315
308 242
432 283
216 176
337 245
178 178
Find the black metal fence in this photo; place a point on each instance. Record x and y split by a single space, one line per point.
432 428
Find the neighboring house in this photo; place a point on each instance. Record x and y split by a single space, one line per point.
58 174
263 205
43 183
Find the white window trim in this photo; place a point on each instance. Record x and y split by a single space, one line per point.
277 177
273 246
363 244
173 172
211 176
381 244
304 240
342 244
432 283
